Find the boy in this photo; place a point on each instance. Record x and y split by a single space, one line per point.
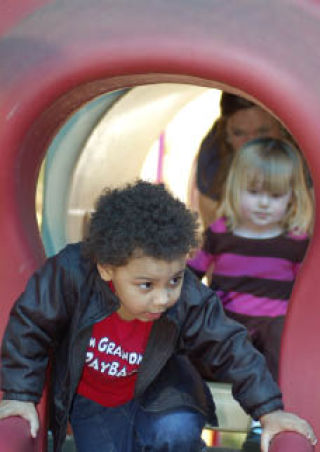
130 332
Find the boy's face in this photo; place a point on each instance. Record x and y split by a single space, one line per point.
145 286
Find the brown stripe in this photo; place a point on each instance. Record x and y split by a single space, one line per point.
258 287
277 247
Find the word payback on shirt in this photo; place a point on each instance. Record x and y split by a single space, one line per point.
126 364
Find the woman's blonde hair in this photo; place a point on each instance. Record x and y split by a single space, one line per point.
277 167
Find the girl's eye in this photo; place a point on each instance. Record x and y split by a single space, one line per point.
145 285
252 191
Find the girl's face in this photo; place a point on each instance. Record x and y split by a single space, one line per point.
145 286
262 211
250 123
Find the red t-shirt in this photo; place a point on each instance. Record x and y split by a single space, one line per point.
114 354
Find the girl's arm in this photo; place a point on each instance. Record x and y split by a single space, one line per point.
201 263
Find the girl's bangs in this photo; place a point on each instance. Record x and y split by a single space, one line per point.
271 176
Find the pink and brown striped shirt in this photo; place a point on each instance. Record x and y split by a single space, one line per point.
254 277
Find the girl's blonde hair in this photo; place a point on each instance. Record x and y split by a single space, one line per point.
274 166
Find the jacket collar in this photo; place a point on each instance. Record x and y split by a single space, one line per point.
161 344
101 301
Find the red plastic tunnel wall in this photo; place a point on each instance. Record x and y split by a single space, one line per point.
56 55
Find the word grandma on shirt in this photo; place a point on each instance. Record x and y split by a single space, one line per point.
127 366
113 357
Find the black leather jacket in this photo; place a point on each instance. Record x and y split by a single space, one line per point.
66 297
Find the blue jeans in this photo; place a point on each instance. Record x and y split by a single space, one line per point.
128 428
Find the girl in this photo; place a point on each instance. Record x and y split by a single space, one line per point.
256 248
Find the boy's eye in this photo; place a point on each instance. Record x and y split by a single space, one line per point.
145 285
276 195
252 191
175 281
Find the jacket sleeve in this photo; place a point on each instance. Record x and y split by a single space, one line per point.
221 351
36 320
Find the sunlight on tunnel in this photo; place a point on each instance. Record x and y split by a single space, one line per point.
172 156
151 132
141 139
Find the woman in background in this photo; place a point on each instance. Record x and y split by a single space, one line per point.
240 120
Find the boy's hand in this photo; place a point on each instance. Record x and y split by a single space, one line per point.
279 421
26 410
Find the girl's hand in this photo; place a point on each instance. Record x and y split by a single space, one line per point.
279 421
26 410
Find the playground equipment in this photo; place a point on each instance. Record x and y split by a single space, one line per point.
58 55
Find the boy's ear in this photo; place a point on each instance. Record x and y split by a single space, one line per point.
105 271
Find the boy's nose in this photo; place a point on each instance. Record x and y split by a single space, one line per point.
162 298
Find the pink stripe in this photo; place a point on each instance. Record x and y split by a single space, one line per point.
258 267
247 304
219 226
295 236
201 261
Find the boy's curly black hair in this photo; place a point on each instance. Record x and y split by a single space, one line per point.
140 217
